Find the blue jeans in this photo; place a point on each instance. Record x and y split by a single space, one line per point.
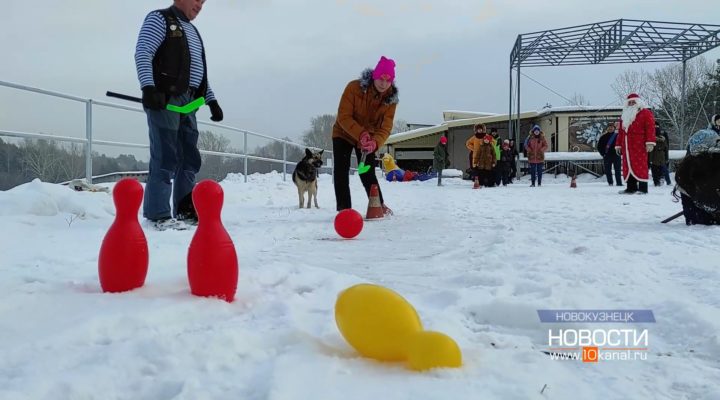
613 162
666 173
536 170
174 159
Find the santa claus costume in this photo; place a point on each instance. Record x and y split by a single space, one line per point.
636 138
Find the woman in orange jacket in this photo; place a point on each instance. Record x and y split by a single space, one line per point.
364 121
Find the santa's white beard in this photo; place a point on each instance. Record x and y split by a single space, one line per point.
628 115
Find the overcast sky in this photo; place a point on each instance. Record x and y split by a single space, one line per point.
274 64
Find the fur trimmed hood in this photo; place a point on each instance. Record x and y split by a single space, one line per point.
712 122
366 80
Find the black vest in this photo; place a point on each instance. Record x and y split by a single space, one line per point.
171 64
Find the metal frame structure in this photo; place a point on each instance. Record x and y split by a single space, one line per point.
88 141
609 42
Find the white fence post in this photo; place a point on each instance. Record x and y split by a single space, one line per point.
245 151
88 145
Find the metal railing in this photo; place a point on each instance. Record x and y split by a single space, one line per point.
88 141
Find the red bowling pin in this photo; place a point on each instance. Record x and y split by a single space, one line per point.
212 262
123 259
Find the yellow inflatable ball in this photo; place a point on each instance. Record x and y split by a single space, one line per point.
428 349
376 321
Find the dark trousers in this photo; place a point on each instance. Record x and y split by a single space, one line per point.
657 174
513 170
174 159
695 215
497 174
613 162
632 185
342 151
666 172
536 171
486 177
504 167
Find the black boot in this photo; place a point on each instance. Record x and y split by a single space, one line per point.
186 210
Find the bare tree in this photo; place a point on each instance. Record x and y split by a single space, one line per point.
213 142
666 95
40 159
72 164
662 90
578 99
213 166
631 81
320 133
399 125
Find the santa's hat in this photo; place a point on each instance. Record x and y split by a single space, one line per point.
636 97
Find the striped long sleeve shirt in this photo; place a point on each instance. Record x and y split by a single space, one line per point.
152 34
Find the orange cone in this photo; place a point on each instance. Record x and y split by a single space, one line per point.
573 183
375 209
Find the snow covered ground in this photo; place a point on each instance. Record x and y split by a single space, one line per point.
476 264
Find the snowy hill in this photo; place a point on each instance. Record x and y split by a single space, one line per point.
476 264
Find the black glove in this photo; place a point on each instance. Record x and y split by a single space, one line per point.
216 113
152 99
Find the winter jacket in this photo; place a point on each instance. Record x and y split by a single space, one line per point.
363 109
606 145
659 132
536 147
484 158
506 159
497 146
441 158
473 144
658 156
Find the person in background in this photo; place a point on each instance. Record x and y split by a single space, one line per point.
536 148
611 159
441 158
484 162
665 169
506 159
497 145
472 144
364 120
513 164
658 160
171 68
698 179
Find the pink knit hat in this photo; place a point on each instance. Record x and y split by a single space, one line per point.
443 140
385 69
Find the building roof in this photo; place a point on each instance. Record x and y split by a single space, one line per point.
492 118
415 133
451 115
